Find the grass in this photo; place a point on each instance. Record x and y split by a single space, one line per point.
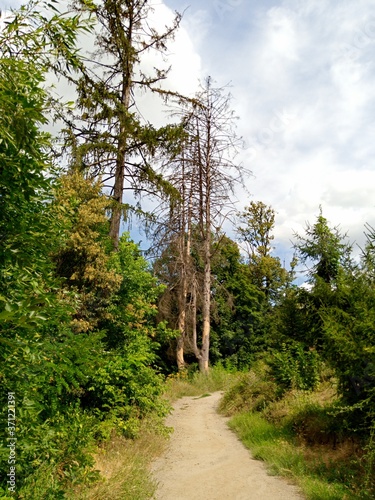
199 384
299 436
124 466
296 435
284 458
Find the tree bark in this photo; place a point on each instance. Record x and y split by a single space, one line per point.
180 351
118 187
114 231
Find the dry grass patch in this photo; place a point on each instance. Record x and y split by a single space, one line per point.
344 453
124 467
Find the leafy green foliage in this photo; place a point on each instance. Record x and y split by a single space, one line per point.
62 295
83 260
42 362
132 314
126 387
22 184
295 367
44 36
267 273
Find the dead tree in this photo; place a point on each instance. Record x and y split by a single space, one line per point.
206 177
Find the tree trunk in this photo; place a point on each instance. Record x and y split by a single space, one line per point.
182 322
180 352
206 309
186 268
118 188
202 362
182 319
114 231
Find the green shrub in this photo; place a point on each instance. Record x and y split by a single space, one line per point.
294 367
126 387
253 392
52 453
314 422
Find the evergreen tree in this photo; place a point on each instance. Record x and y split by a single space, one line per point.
324 249
239 308
257 223
109 137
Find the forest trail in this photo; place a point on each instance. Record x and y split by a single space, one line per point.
205 460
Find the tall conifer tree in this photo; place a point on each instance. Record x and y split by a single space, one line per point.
109 137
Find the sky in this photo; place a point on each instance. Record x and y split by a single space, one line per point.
303 85
302 76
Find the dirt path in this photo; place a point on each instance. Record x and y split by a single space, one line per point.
206 461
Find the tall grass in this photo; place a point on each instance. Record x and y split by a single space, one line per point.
124 466
275 446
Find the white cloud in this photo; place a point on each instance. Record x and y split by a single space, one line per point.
281 37
181 57
303 77
311 61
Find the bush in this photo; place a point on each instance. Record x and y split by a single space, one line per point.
294 367
253 392
125 388
52 453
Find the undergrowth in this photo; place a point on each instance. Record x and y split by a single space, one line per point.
123 465
303 435
299 434
194 383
